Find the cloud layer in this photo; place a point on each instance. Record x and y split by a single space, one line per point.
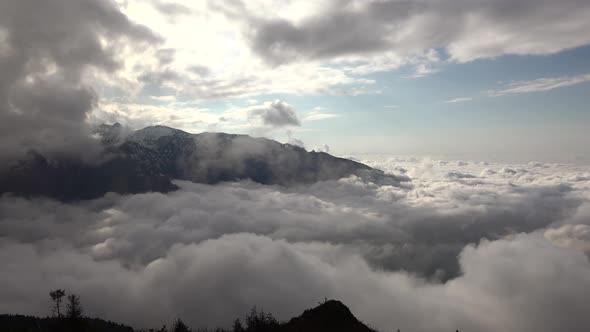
505 239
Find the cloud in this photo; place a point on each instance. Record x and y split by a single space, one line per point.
275 114
293 140
502 241
165 99
172 9
52 53
322 148
353 91
272 267
541 85
248 41
458 100
467 31
571 236
317 115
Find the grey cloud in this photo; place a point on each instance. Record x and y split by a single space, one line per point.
346 27
571 236
50 48
173 9
275 114
200 70
165 56
155 80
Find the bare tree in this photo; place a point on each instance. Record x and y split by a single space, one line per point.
56 297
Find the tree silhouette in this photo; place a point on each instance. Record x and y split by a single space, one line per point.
180 326
259 321
74 308
238 327
56 297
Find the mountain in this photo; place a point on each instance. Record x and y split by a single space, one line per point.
150 158
330 316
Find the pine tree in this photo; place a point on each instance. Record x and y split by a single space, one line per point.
74 308
180 326
238 327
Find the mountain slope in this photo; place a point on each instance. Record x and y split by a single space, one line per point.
150 158
330 316
215 157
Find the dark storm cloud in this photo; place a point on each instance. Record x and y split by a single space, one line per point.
467 29
49 50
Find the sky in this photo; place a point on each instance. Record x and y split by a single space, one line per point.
484 80
475 111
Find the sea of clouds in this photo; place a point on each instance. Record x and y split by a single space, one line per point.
462 245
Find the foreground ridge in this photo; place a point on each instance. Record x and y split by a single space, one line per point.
329 316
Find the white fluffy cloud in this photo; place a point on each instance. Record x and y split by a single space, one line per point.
506 239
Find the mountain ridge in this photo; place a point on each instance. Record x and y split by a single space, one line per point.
148 159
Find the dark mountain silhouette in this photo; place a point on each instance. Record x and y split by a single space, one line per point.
331 316
20 323
150 158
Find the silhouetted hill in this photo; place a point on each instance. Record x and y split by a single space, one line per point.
150 158
331 316
19 323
